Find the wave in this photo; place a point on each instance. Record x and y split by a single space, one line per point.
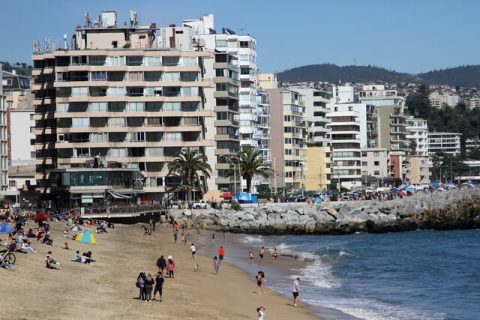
251 239
370 309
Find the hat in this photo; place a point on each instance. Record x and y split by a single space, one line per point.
170 257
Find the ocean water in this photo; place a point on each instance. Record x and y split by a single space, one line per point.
407 275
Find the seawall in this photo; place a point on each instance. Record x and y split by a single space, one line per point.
455 209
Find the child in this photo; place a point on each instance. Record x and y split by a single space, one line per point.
261 313
65 246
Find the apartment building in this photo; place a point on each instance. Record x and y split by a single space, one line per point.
114 94
418 170
352 129
438 99
375 166
243 47
223 128
288 139
472 145
417 134
267 81
444 142
3 136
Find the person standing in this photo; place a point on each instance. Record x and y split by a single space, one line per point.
141 286
261 254
175 236
296 291
260 277
158 286
221 253
216 266
149 282
261 313
192 247
275 255
170 267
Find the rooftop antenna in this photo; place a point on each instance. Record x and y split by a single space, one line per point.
65 45
133 18
88 21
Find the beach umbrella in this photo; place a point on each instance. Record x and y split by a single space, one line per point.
86 237
5 228
394 190
76 228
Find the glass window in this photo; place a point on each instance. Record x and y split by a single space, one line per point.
135 106
172 106
98 106
98 76
79 92
153 61
116 122
62 107
80 122
153 106
116 91
171 76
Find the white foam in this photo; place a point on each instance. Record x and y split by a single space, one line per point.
252 239
344 254
320 274
370 309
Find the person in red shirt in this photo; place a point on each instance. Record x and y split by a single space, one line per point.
221 252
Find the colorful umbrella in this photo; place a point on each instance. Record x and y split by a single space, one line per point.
76 228
86 237
5 228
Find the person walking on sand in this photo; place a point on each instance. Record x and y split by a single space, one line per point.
274 255
170 267
296 291
149 282
260 277
192 247
175 236
141 285
261 253
221 253
158 286
216 266
161 264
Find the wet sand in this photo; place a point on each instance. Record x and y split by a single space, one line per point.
106 289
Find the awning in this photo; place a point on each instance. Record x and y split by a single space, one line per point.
118 195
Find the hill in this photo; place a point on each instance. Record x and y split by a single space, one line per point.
465 76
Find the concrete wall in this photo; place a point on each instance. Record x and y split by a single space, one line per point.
276 136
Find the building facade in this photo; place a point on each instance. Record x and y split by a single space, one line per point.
417 134
375 166
438 100
418 171
444 142
114 94
288 139
317 169
3 136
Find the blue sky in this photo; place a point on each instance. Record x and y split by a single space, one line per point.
405 35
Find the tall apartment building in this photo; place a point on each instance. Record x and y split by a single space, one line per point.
417 133
375 166
288 139
444 142
244 48
3 137
114 94
223 128
352 129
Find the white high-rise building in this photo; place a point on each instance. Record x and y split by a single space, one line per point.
244 48
417 132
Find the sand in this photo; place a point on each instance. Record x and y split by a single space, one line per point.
106 289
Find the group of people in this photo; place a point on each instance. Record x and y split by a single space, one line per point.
149 287
261 255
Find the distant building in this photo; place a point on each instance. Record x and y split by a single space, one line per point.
267 81
20 125
3 136
438 100
471 145
474 102
418 169
375 164
317 170
445 142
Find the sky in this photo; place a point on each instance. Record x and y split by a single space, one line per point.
411 36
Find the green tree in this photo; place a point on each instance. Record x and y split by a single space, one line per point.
188 164
251 164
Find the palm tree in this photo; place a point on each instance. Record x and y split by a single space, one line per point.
187 165
251 164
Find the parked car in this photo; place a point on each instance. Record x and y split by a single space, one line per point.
202 204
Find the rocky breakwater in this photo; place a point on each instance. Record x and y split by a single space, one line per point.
458 209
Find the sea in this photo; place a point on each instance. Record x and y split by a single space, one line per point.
421 274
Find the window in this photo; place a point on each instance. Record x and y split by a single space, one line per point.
135 76
116 106
189 106
173 136
99 137
137 136
288 152
135 106
189 61
98 76
220 43
153 106
376 163
172 106
171 76
98 106
116 91
118 152
376 154
115 61
134 60
62 107
79 92
153 61
11 183
80 122
116 122
376 173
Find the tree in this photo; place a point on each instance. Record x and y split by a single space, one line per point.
188 164
251 163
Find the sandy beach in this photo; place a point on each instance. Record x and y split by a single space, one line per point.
106 289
